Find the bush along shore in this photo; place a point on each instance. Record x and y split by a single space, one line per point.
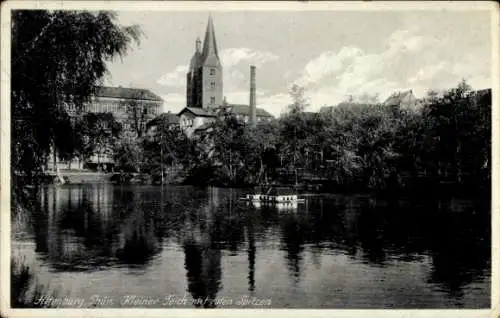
443 144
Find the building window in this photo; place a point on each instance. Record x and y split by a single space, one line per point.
212 100
212 71
212 85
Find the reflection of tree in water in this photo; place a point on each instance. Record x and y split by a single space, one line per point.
384 231
203 264
390 230
72 228
251 255
293 235
459 243
203 272
80 228
227 229
139 231
371 228
39 219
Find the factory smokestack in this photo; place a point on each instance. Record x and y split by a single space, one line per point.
252 106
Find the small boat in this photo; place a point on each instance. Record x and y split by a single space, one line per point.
281 196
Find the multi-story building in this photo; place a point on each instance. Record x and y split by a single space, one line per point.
124 104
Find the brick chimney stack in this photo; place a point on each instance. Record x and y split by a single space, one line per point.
252 106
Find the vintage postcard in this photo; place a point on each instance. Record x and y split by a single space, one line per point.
223 158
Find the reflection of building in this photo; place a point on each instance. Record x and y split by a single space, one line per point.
123 103
204 91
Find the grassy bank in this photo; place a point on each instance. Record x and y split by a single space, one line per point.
25 290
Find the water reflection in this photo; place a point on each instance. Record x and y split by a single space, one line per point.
294 229
251 251
103 227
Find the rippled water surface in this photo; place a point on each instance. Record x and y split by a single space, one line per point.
118 246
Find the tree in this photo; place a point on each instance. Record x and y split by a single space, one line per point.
100 133
299 101
458 131
227 137
260 150
294 130
128 153
58 58
137 115
169 146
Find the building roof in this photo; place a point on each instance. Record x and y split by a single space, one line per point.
126 93
210 54
168 118
199 112
240 109
399 98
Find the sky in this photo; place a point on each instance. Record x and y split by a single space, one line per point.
332 54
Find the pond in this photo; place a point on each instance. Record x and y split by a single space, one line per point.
107 245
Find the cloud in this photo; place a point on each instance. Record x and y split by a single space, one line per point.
243 97
234 56
275 104
235 65
175 78
406 40
445 74
327 64
406 60
428 72
174 102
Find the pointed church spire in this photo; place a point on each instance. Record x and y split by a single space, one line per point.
210 53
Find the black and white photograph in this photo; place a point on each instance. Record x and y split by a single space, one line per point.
258 157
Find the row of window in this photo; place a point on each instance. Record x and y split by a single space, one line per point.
259 119
104 108
117 108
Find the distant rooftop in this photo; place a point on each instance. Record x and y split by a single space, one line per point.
168 118
201 112
241 109
399 97
237 109
126 93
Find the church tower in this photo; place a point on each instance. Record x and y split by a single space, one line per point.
204 78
